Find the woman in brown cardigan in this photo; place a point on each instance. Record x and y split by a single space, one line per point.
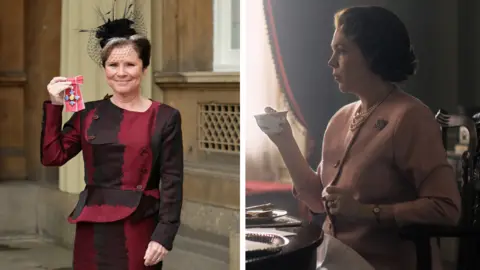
383 162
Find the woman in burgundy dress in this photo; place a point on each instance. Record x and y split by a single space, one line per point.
129 213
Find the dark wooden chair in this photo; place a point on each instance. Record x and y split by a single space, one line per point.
421 235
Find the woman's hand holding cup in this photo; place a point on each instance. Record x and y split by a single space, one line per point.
56 89
276 126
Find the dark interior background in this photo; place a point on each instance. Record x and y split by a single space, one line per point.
444 33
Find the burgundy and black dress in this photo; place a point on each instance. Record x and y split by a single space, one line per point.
133 176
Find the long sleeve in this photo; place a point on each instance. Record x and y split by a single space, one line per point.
58 145
171 185
420 156
308 186
309 191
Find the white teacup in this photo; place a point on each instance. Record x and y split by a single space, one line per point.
271 123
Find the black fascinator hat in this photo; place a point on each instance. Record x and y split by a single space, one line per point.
125 26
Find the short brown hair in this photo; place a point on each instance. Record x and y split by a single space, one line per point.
139 43
383 39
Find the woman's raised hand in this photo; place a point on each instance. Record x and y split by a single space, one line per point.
278 129
56 89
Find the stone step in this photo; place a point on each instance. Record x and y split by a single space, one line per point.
180 259
27 253
203 248
189 253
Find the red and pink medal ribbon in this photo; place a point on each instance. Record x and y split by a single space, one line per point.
73 97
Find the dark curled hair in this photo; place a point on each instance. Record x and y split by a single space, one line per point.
139 43
382 38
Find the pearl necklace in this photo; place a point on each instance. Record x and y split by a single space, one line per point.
360 117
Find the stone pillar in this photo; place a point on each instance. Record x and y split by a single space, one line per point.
234 250
75 61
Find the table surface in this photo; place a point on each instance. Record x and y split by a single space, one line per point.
286 221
